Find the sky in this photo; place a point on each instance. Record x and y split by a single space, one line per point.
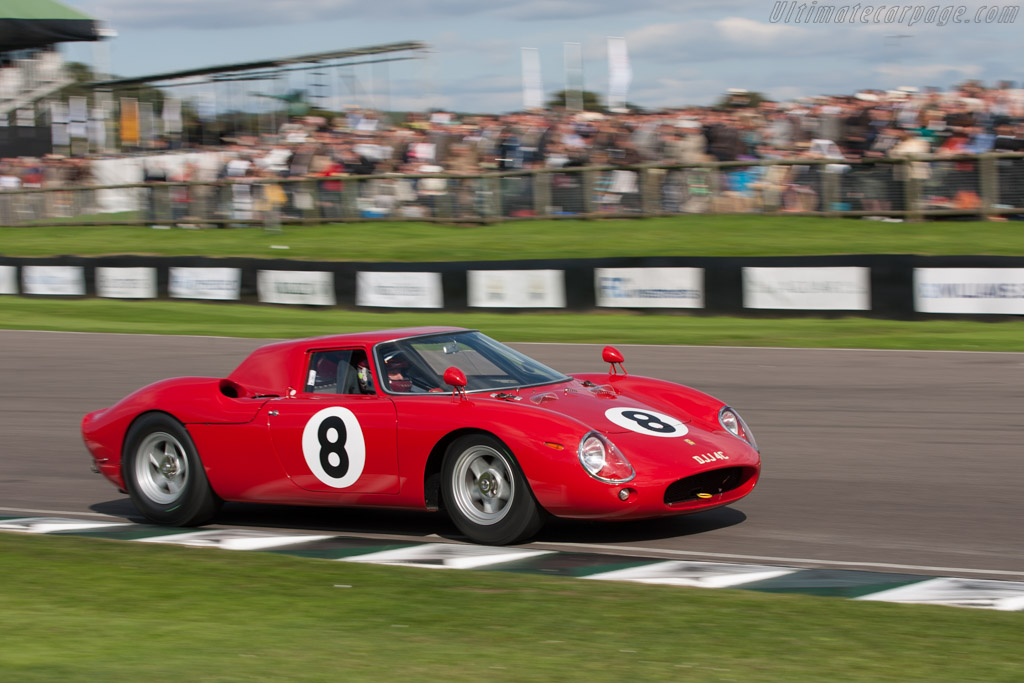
680 52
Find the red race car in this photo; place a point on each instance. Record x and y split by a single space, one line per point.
424 418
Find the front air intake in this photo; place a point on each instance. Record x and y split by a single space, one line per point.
712 482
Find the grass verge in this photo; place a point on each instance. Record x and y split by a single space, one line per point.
743 235
236 320
98 610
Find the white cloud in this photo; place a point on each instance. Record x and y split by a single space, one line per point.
928 73
747 32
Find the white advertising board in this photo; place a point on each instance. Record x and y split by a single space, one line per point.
126 283
649 287
969 290
842 288
205 283
296 287
53 280
399 290
8 280
516 288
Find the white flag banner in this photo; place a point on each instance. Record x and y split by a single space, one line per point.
533 91
172 115
619 74
146 132
98 129
59 124
78 110
573 56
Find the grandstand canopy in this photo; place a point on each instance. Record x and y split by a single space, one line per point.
223 70
39 23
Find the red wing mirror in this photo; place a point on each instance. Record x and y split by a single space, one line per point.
457 380
613 356
455 377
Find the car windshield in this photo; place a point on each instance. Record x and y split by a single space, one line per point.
417 364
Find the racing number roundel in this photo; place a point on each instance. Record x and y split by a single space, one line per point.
647 422
333 445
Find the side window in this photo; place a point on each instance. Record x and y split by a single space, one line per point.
342 371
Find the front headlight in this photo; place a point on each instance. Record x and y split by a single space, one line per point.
603 461
734 424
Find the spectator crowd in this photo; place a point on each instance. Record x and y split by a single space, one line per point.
849 130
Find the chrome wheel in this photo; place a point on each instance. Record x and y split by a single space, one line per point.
482 484
161 468
485 493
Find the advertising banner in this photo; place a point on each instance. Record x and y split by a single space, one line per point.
814 289
53 280
59 124
399 290
205 283
126 283
302 288
649 287
969 290
129 121
8 280
516 288
619 73
533 91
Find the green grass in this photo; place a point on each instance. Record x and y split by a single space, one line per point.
237 320
393 241
98 610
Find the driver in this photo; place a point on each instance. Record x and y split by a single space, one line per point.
396 365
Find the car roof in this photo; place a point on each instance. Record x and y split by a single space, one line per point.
273 368
374 337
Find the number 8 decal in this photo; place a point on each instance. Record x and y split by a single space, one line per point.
333 446
646 422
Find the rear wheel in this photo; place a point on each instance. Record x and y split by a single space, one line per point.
164 476
486 494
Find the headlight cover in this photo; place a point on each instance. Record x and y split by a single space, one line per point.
603 461
734 424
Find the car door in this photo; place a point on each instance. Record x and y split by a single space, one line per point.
337 435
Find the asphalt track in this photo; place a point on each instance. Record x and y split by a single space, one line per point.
886 460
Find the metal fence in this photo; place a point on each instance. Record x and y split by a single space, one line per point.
911 189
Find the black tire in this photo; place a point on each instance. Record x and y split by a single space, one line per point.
163 474
485 493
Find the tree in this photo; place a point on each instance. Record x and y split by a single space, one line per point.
296 100
83 75
591 100
741 99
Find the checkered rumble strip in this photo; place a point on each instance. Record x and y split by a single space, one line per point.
856 585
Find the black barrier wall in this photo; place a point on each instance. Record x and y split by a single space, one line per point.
896 286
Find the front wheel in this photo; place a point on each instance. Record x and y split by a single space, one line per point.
486 494
164 476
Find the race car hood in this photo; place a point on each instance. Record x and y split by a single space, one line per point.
654 435
602 407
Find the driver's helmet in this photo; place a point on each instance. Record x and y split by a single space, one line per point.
395 366
363 377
